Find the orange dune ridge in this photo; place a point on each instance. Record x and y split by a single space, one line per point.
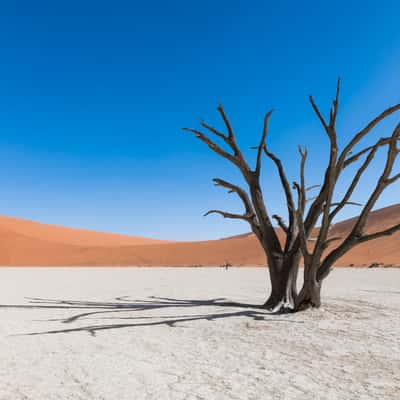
27 243
73 236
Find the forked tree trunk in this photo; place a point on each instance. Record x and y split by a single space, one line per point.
309 296
283 285
284 297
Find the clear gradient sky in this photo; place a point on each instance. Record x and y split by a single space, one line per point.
93 95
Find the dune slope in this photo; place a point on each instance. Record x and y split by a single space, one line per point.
71 236
30 243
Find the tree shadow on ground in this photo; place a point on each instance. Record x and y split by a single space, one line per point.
102 310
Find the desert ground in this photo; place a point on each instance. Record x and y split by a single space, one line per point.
169 333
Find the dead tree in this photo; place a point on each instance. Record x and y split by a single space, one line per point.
283 259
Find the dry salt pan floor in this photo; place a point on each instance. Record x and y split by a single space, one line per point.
98 333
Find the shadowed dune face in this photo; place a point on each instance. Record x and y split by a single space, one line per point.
30 243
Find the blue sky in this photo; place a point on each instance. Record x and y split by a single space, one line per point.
93 96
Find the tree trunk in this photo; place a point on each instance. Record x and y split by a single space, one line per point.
283 285
309 296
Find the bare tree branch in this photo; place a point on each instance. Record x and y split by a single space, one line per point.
357 177
310 199
237 157
329 127
363 132
213 146
322 201
331 240
214 131
245 217
250 215
335 106
303 238
297 187
260 147
228 125
291 231
382 183
281 223
355 157
312 187
302 188
347 203
283 178
231 140
393 179
239 191
319 115
376 235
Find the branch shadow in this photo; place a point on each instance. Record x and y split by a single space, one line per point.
94 309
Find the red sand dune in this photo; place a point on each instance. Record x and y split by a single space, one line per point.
79 237
30 243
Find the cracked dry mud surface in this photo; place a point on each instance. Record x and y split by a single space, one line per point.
160 333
